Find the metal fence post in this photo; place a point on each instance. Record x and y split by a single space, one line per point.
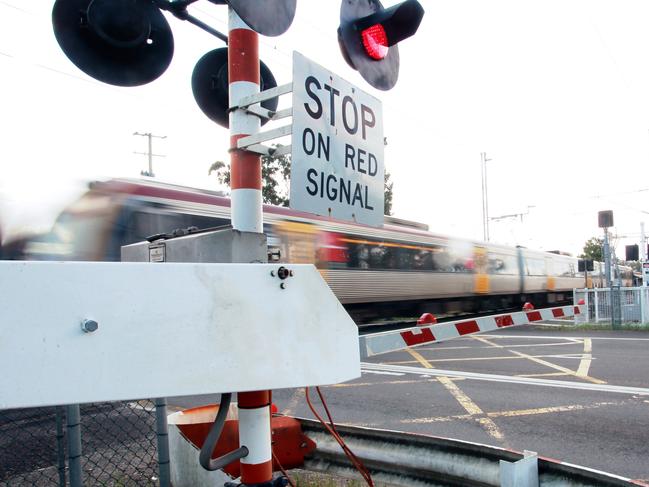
163 441
587 303
596 307
74 445
60 447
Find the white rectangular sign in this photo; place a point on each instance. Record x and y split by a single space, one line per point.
337 156
241 332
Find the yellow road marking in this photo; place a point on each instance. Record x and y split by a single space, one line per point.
546 363
419 358
477 359
558 367
552 409
472 408
584 365
516 412
526 345
297 396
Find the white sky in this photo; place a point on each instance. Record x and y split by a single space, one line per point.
556 93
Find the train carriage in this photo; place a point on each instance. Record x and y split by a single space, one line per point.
399 269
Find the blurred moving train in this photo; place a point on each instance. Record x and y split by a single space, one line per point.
401 269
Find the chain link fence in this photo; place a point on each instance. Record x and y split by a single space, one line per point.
616 305
118 445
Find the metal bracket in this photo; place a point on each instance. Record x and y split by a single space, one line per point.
523 473
251 104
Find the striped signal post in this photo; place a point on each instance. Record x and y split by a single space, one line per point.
246 201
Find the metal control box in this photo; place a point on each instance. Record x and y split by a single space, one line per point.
223 245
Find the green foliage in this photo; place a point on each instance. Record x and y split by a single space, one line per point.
387 201
275 174
593 249
275 177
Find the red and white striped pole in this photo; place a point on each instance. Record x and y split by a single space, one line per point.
245 167
246 208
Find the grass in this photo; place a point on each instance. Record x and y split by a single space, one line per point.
604 327
311 479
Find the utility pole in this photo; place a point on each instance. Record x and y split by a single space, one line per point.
149 153
485 197
643 255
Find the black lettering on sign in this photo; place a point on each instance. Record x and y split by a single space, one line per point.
308 141
361 161
310 175
367 200
367 119
351 129
308 82
309 144
345 191
333 93
332 192
349 156
373 165
358 195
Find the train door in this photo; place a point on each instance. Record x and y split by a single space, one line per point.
297 241
480 269
551 282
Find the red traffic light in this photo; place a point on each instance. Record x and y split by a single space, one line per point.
368 36
375 41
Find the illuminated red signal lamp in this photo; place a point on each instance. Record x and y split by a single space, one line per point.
368 36
375 42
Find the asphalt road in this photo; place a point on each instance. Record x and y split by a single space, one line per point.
602 430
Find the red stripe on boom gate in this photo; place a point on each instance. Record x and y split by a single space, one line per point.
416 339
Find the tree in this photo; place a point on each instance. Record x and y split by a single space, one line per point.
387 199
275 177
275 174
594 249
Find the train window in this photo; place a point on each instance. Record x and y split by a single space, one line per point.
535 267
502 264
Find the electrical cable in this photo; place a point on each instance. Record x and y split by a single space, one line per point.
284 472
331 428
213 437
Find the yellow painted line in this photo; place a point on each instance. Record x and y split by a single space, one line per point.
546 363
297 396
558 367
472 408
552 409
419 358
516 412
442 348
477 359
584 365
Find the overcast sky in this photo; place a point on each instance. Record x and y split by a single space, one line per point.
555 92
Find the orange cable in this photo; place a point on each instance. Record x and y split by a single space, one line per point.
358 464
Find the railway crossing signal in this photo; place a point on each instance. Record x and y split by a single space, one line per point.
368 36
632 252
119 42
584 265
210 86
266 17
